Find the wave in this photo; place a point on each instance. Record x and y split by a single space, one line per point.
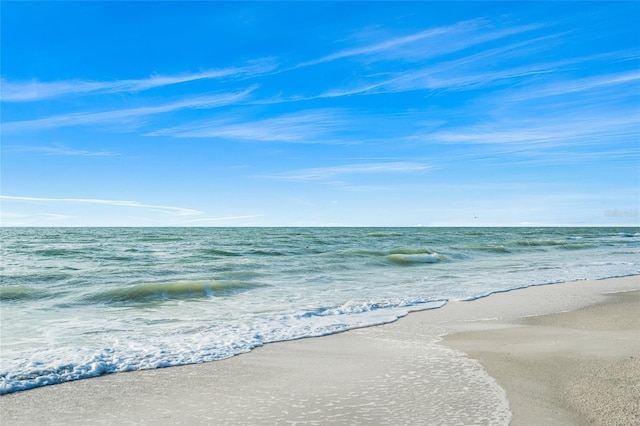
354 307
575 246
411 251
538 243
408 259
544 283
237 275
398 255
496 249
59 252
355 253
628 234
15 293
384 234
571 244
170 290
484 249
81 363
267 253
159 239
255 252
218 252
12 280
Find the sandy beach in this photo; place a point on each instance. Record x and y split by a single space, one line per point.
578 367
554 354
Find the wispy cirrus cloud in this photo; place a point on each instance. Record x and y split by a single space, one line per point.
59 149
8 218
35 90
477 71
124 115
381 46
428 43
469 35
487 67
332 172
470 71
312 126
550 132
433 68
177 211
573 86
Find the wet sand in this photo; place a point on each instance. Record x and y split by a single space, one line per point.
565 354
579 367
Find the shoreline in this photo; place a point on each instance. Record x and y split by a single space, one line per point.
574 367
398 373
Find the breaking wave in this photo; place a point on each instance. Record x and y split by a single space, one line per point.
170 290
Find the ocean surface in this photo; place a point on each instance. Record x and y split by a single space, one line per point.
82 302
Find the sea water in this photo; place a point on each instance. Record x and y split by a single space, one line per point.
82 302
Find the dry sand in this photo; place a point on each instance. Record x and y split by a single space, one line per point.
574 368
579 366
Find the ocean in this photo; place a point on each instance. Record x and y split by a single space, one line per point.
82 302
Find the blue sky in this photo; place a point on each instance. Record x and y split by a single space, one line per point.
315 114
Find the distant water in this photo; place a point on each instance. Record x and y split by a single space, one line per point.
82 302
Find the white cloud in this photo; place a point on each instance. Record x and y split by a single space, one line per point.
124 115
177 211
466 72
59 149
34 91
326 173
580 85
380 46
428 43
8 218
314 126
562 131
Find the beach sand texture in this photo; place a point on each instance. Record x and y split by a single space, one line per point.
565 354
578 367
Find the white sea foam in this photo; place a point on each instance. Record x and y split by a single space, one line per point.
50 366
406 259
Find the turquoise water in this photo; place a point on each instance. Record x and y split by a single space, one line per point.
81 302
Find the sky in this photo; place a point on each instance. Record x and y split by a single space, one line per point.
320 113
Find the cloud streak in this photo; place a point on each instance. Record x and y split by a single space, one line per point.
124 115
428 43
59 149
545 132
600 82
177 211
467 72
313 126
35 91
327 173
381 46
